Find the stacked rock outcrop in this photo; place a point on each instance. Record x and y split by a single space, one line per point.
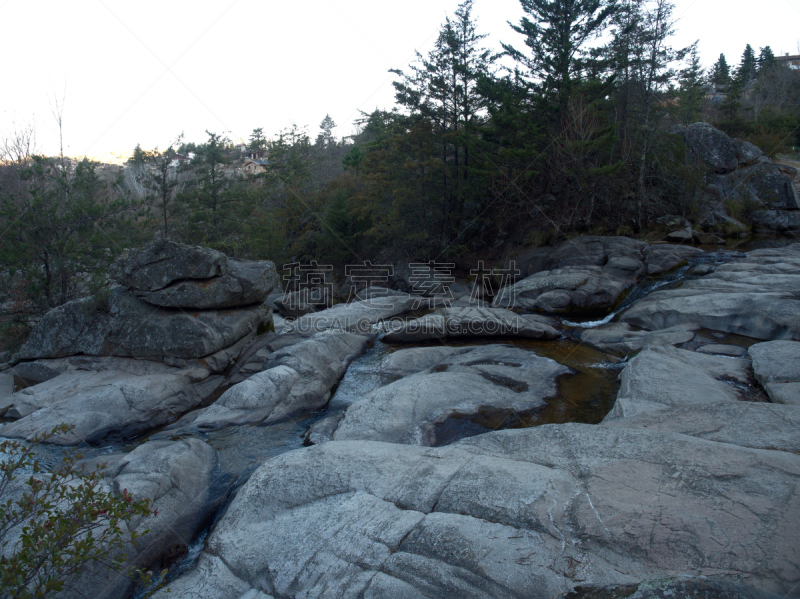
586 275
172 301
738 170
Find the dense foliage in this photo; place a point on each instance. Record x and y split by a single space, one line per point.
53 524
567 134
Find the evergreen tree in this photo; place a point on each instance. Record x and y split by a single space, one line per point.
720 72
766 59
692 88
209 164
556 32
325 137
443 88
257 140
748 67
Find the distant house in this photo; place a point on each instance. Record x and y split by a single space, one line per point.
179 160
254 167
715 94
253 154
789 61
241 147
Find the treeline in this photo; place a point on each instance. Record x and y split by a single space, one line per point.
570 136
758 100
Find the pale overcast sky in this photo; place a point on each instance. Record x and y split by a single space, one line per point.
145 71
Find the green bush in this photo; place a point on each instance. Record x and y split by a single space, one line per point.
52 524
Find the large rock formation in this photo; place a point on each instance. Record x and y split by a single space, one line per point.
173 302
469 322
296 378
174 275
662 377
586 275
524 513
178 478
489 385
126 326
756 297
738 170
102 397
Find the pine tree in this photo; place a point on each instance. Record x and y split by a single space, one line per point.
556 32
720 72
443 89
748 66
325 137
257 140
766 59
692 88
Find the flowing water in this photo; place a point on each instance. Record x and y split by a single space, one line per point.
585 396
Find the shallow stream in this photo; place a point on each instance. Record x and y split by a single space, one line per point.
585 396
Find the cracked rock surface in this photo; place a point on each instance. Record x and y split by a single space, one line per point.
756 297
489 381
524 513
100 397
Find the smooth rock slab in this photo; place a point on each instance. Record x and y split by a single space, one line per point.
242 283
586 275
467 322
177 477
104 397
357 316
777 367
162 262
490 381
297 378
660 378
721 349
756 297
523 513
131 328
619 337
743 423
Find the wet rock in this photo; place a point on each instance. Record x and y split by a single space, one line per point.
671 588
619 337
743 423
780 221
777 367
242 283
177 477
104 397
755 297
748 153
210 578
304 301
322 430
297 378
128 327
473 321
162 262
710 147
484 383
685 235
720 349
357 316
660 378
588 275
523 513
